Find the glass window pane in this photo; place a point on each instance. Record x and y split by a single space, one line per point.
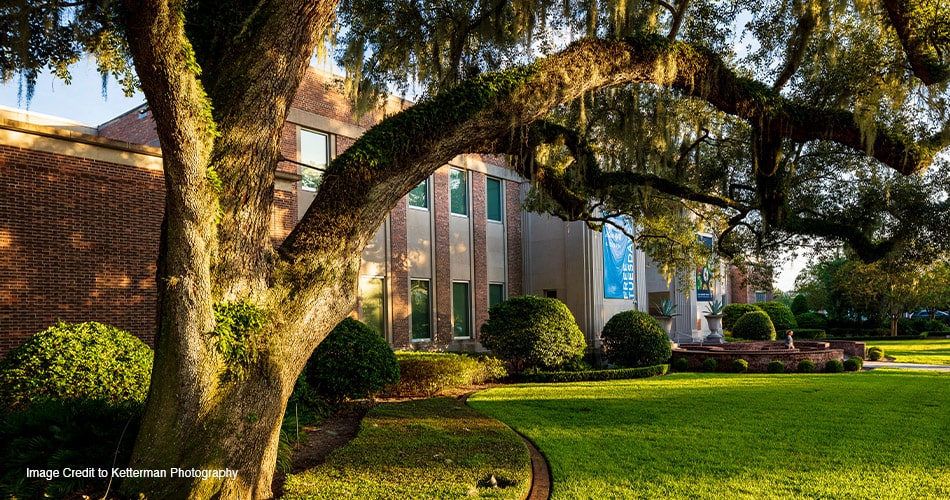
419 291
458 191
314 150
460 311
496 293
493 199
419 196
372 304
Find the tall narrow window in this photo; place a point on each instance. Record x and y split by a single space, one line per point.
421 310
315 152
461 311
493 199
372 303
419 196
458 191
496 293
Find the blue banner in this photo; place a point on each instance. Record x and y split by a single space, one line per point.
704 276
619 269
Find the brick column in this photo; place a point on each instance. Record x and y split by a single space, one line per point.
399 277
442 280
479 285
513 227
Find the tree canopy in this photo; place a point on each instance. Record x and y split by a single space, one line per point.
759 121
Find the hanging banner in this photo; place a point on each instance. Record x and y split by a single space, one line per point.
619 269
704 275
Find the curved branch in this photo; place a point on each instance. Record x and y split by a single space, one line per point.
923 57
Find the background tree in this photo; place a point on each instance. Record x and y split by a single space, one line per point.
238 318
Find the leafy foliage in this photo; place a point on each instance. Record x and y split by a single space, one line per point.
775 366
237 330
710 365
635 339
681 365
806 366
432 373
533 332
781 316
740 366
352 362
853 364
76 361
800 305
595 375
754 325
875 353
834 366
69 433
810 320
732 312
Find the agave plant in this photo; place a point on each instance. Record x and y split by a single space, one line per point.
666 307
715 307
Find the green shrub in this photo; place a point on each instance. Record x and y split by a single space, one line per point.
853 364
352 362
681 364
754 325
806 366
875 353
710 365
431 373
76 361
811 320
834 366
809 333
60 434
635 339
781 316
732 313
775 366
533 332
800 306
596 375
740 366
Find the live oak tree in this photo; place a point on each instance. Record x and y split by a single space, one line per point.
559 85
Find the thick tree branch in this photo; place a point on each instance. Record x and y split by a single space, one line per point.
921 54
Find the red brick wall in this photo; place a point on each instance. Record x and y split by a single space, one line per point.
78 242
442 256
399 276
131 127
479 285
513 226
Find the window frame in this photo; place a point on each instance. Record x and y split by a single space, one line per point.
412 309
500 201
426 185
464 192
309 165
467 310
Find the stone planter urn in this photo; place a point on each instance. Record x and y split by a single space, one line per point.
715 329
666 322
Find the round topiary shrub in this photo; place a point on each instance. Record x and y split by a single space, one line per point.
806 366
740 366
853 364
710 365
681 365
352 362
77 361
533 332
834 366
754 325
800 306
811 320
732 313
775 366
875 353
635 339
781 316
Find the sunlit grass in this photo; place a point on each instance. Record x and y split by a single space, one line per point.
878 435
924 351
435 448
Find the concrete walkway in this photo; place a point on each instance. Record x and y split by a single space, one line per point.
870 365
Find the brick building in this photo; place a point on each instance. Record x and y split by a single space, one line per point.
81 209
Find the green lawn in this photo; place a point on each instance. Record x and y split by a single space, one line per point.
923 351
879 434
434 448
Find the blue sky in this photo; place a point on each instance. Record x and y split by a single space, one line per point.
81 101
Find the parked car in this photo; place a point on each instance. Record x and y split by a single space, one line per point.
943 316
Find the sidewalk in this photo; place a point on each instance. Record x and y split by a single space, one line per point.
870 365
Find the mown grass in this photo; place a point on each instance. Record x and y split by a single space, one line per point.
425 449
923 351
865 435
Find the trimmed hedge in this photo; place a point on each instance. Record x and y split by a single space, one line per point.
596 375
811 320
635 339
740 366
352 362
799 306
853 364
732 313
754 325
809 333
775 366
834 366
806 366
781 316
533 332
432 373
875 353
77 361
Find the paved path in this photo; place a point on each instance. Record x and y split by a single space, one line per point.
870 365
